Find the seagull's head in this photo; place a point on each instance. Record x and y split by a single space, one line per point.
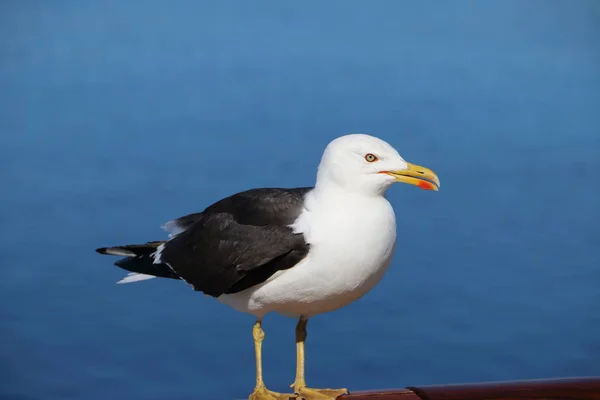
369 165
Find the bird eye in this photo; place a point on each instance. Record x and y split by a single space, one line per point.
371 157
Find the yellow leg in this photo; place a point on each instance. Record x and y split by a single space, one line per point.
259 335
260 390
300 380
299 384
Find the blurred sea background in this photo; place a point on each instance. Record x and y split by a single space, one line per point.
117 116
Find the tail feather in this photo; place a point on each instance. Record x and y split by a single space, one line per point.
131 250
135 277
140 261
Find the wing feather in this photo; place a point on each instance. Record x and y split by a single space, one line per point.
237 242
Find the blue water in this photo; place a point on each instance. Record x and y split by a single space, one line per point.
118 116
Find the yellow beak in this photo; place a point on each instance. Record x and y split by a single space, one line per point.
417 175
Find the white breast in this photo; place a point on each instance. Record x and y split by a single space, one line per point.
352 241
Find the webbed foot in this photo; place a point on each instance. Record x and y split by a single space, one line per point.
305 393
262 393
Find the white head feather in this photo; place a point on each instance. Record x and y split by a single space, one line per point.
355 163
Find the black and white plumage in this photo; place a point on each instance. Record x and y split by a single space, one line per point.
299 251
240 241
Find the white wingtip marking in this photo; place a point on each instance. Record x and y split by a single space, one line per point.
157 254
134 277
117 251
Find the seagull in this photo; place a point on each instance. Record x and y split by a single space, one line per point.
298 252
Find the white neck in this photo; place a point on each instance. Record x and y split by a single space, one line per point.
326 183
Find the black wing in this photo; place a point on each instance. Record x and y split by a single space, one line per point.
238 242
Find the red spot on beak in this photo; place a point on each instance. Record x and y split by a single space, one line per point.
426 185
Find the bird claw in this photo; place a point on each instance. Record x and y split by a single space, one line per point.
305 393
262 393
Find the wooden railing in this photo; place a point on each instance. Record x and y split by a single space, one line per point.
552 389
